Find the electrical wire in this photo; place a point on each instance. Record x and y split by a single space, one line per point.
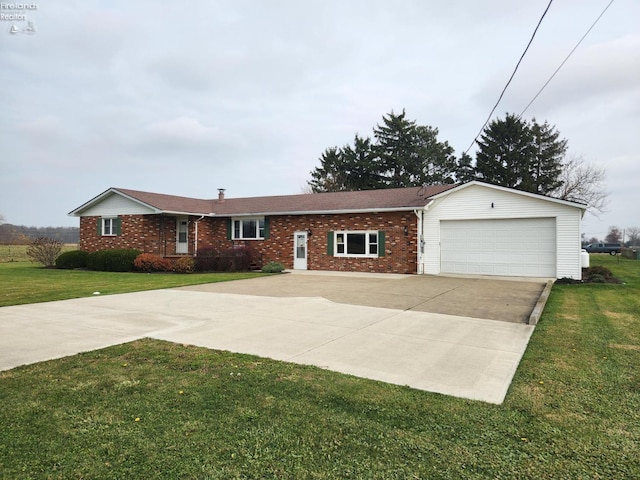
511 78
565 60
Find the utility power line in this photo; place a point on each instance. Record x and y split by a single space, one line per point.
512 75
565 60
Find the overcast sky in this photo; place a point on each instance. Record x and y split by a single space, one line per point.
185 97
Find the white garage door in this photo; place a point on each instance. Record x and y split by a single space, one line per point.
510 247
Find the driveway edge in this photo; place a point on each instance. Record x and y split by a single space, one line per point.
542 301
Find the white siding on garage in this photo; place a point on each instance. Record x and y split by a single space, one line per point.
116 204
484 202
524 247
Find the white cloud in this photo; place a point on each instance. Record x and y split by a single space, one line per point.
183 98
43 128
182 130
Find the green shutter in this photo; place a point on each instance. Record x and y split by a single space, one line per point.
266 228
330 243
381 248
99 226
116 224
229 226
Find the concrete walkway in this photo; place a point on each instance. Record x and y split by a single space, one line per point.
451 354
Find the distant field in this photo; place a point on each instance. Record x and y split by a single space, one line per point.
18 253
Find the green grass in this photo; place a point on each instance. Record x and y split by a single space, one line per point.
573 410
24 282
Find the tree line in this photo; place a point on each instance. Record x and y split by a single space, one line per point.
22 235
628 237
512 152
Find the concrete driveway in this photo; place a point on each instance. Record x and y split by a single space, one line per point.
461 337
493 298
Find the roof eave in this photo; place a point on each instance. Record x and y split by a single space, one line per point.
97 199
176 212
325 212
512 190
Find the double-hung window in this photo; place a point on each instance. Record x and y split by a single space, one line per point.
109 226
369 243
248 229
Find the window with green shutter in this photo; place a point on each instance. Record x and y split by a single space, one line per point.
267 228
249 228
109 226
330 243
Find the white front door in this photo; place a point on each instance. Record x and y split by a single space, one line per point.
300 250
182 235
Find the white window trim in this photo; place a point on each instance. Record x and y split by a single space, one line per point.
243 219
367 245
111 225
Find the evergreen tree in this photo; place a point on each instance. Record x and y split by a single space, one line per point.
403 154
347 168
465 171
329 176
517 154
361 166
546 167
434 162
505 153
396 148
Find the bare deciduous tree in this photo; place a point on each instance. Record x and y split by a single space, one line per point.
633 234
44 250
583 183
614 235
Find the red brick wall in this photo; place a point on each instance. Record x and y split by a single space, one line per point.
156 234
400 255
148 233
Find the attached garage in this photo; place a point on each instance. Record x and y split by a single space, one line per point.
524 247
482 229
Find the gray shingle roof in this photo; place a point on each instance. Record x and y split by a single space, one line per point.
365 200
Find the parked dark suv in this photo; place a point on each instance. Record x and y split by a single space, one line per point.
610 248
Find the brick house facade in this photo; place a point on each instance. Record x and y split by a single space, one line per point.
473 228
157 234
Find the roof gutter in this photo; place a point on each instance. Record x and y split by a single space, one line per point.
321 212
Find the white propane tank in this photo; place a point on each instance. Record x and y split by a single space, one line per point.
584 258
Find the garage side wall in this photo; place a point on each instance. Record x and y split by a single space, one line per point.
475 203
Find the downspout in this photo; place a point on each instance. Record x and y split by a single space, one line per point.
420 214
195 244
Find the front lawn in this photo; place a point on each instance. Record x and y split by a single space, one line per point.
152 409
25 282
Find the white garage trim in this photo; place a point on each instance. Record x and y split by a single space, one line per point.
523 247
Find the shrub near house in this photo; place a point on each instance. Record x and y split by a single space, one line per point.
116 260
72 259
